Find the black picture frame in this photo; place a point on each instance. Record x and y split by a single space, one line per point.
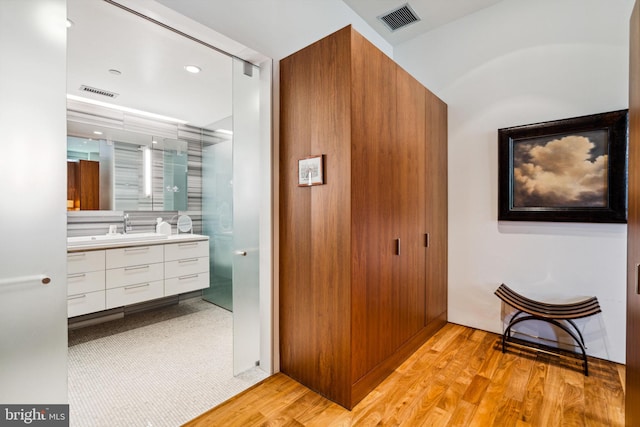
570 170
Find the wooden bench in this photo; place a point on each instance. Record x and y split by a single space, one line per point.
528 309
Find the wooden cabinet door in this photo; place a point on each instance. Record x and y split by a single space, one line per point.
409 173
436 206
632 409
373 197
89 183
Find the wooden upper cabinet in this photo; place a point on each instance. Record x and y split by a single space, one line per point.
354 291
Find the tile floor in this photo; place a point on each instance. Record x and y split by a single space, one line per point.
159 368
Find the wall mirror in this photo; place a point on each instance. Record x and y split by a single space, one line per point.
118 169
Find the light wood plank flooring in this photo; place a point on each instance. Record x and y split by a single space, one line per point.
458 378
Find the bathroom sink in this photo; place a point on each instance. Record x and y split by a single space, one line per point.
114 238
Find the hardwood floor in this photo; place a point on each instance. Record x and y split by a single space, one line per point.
457 378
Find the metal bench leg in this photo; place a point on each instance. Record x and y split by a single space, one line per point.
553 322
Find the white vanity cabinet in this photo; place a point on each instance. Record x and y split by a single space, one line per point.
186 267
85 282
100 279
134 274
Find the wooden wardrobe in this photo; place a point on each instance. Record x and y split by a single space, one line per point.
363 257
632 406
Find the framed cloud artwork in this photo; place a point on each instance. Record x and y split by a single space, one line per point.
564 170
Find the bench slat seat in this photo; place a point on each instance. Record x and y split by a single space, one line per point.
575 310
528 309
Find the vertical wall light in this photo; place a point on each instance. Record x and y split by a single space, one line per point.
146 158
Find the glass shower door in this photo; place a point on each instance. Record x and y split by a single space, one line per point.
217 209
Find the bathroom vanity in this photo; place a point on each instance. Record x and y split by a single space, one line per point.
105 272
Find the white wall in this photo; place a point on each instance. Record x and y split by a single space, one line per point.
516 63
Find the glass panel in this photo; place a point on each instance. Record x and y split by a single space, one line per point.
217 219
33 331
174 174
246 204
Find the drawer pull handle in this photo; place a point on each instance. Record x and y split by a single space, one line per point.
192 276
187 244
76 297
75 276
127 288
77 255
142 267
188 260
144 248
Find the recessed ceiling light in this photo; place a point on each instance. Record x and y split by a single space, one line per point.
154 141
97 132
192 69
114 71
69 23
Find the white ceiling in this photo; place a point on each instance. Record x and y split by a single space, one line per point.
432 14
151 60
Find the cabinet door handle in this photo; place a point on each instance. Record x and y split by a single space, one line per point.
187 244
188 260
426 240
77 255
192 276
241 253
398 246
144 248
637 278
76 297
141 267
144 285
75 276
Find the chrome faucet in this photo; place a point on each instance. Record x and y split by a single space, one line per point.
127 226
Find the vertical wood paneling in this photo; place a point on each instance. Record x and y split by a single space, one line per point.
632 409
88 181
436 209
351 307
374 231
314 223
410 185
73 196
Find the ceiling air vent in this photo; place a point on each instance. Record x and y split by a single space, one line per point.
399 18
97 91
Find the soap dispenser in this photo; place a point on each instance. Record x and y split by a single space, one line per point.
163 227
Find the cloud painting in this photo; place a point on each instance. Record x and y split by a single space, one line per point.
568 171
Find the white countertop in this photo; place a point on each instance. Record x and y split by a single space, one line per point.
108 244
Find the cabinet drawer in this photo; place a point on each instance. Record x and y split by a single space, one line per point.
85 303
79 283
124 276
135 255
80 262
176 251
132 294
188 283
183 267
